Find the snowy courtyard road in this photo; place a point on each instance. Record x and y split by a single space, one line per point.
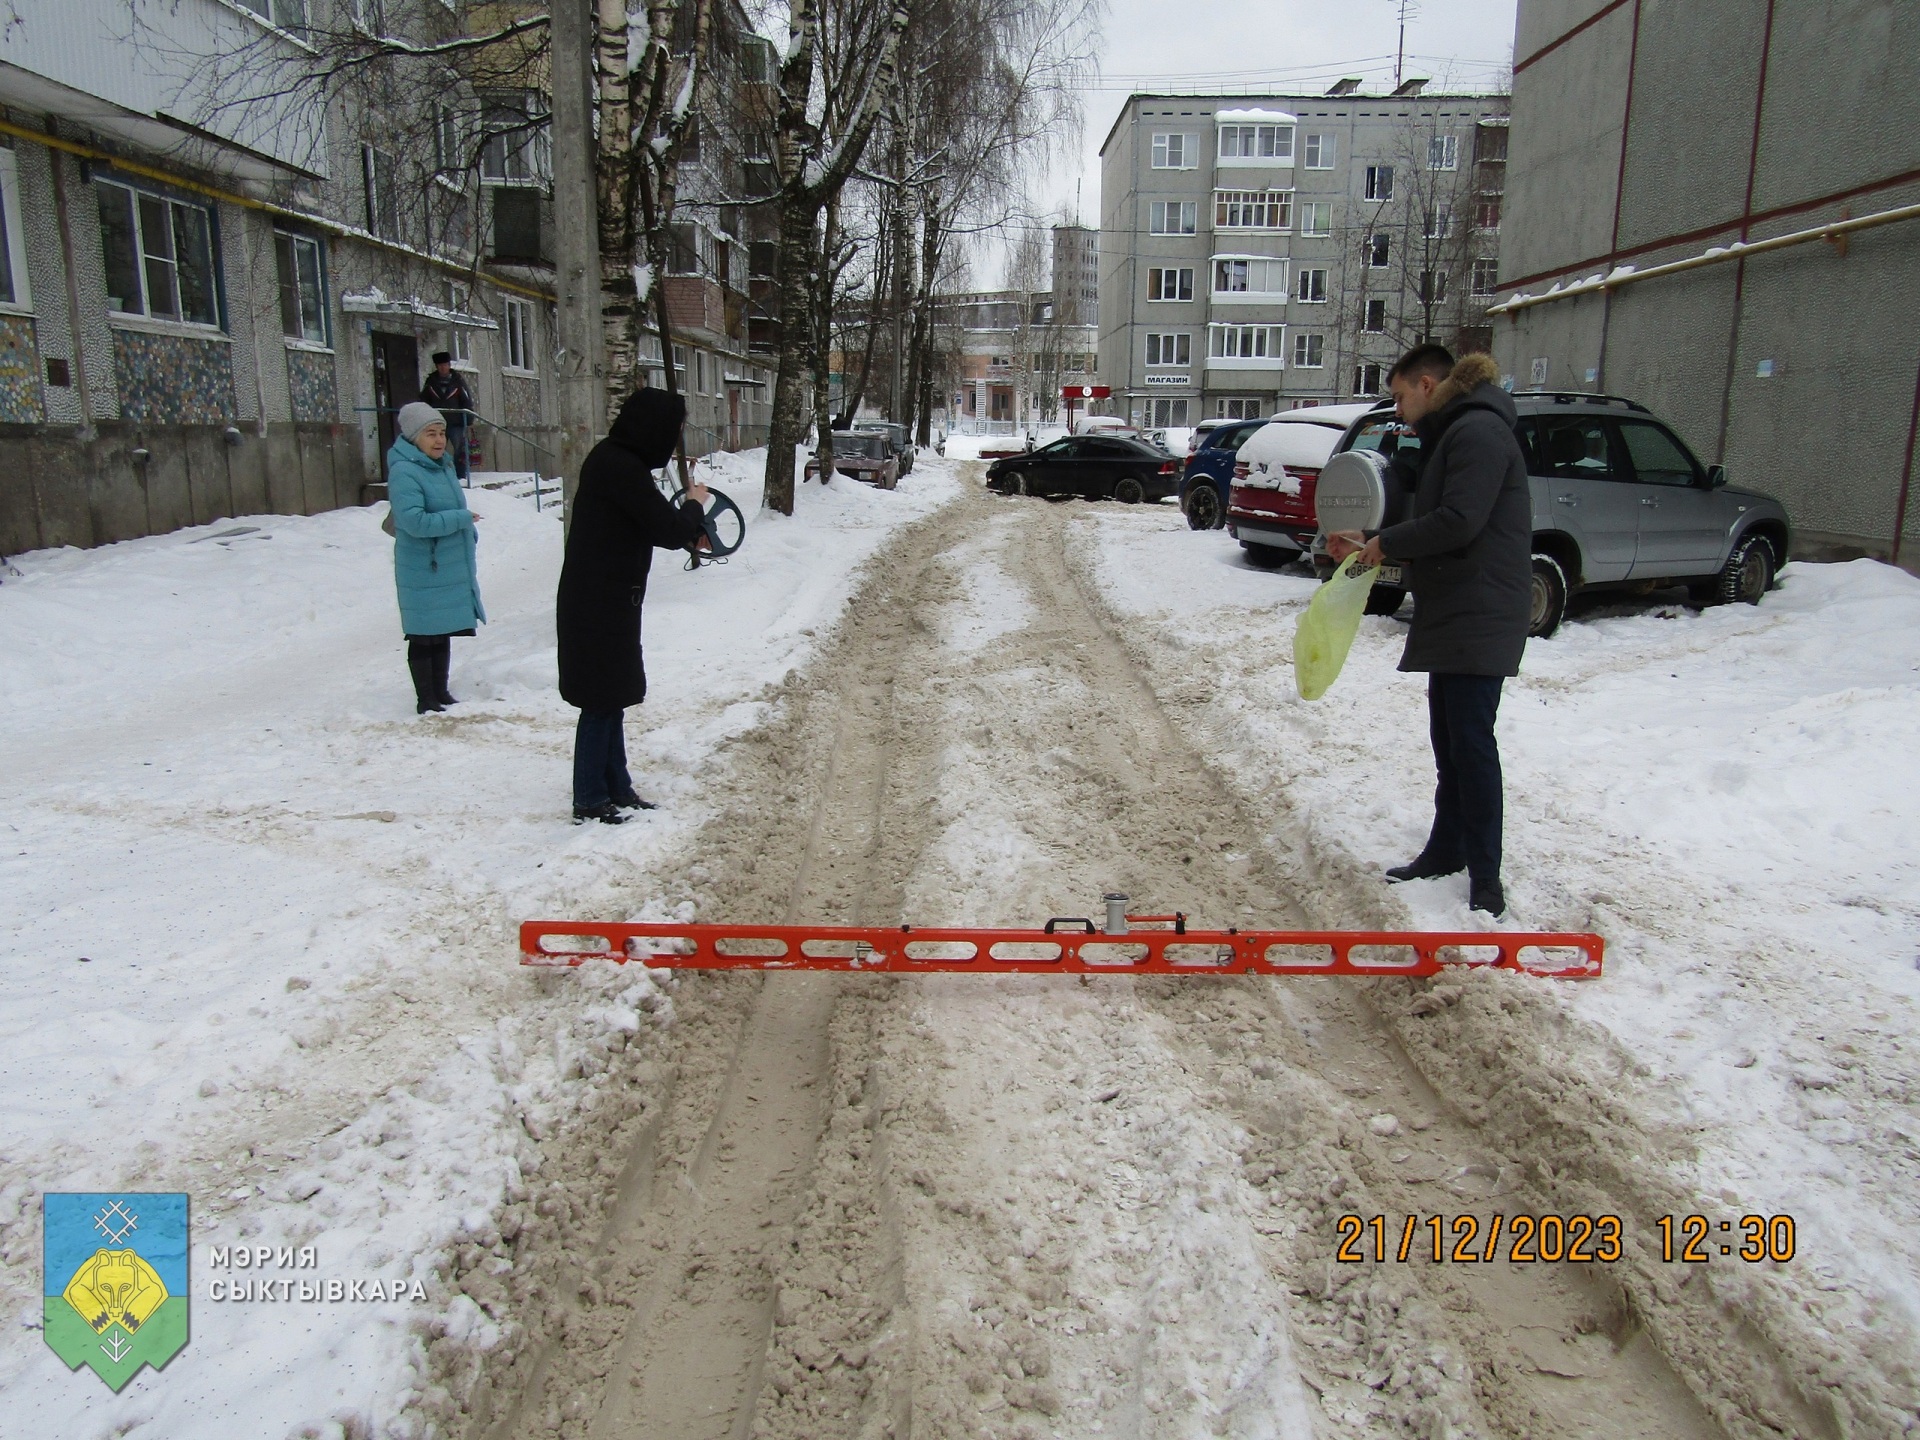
1016 1207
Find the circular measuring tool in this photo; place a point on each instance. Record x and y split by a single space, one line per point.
726 527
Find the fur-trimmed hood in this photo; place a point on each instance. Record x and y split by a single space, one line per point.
1469 373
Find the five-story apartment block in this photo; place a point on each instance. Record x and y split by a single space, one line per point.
1259 253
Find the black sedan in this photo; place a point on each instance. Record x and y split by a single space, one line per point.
1095 467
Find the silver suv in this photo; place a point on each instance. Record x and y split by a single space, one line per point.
1619 501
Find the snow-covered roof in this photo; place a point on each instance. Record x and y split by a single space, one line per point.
1270 117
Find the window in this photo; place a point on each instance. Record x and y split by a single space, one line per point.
1378 250
1312 287
370 16
1175 152
303 287
287 14
459 338
760 258
1252 278
519 335
1169 284
1379 182
1162 413
1432 288
1367 378
448 154
1256 142
1237 409
683 248
1317 152
1309 351
14 287
1486 212
516 224
1245 342
159 256
1173 217
383 201
1316 217
1486 276
1490 144
1374 317
1443 152
1573 447
1174 349
1658 458
518 148
1252 209
1438 221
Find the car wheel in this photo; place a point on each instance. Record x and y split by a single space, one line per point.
1549 597
1128 490
1203 508
1267 557
1747 575
1385 599
1017 484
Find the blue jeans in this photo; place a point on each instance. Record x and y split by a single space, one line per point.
600 759
1467 803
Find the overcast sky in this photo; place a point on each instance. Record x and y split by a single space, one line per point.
1277 45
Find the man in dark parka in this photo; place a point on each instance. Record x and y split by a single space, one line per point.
1469 545
619 518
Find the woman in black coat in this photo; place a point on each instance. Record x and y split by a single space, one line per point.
619 518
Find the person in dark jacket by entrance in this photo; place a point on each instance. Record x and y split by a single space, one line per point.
448 393
619 518
1469 546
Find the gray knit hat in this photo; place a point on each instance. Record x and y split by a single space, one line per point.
416 416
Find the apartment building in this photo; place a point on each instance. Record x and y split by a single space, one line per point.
1006 353
219 282
1660 136
1263 252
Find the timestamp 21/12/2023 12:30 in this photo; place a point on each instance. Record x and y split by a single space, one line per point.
1554 1239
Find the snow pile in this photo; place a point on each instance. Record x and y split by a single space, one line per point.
256 919
1725 796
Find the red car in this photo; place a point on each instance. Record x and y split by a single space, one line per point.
1270 505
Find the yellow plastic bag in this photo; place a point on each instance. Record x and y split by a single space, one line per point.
1324 632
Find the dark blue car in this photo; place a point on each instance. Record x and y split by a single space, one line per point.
1209 473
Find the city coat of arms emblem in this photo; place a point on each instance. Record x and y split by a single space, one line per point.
115 1273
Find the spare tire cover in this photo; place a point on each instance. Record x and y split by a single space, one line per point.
1352 492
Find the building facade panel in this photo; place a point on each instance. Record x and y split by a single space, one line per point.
1795 367
1565 157
1687 148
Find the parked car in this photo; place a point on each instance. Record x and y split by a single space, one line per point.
897 437
1095 467
864 455
1619 502
1269 505
1104 425
1208 468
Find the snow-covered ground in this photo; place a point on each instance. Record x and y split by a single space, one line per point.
1726 795
256 916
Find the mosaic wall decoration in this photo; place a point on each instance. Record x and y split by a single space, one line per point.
20 402
520 398
173 379
310 381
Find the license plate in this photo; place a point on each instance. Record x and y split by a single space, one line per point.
1390 575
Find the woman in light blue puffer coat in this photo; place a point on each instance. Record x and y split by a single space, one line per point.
434 569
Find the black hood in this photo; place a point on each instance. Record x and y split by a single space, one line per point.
649 425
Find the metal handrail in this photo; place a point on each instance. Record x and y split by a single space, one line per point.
471 414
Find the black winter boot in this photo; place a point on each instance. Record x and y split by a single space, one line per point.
442 665
1423 867
1488 896
608 814
426 687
